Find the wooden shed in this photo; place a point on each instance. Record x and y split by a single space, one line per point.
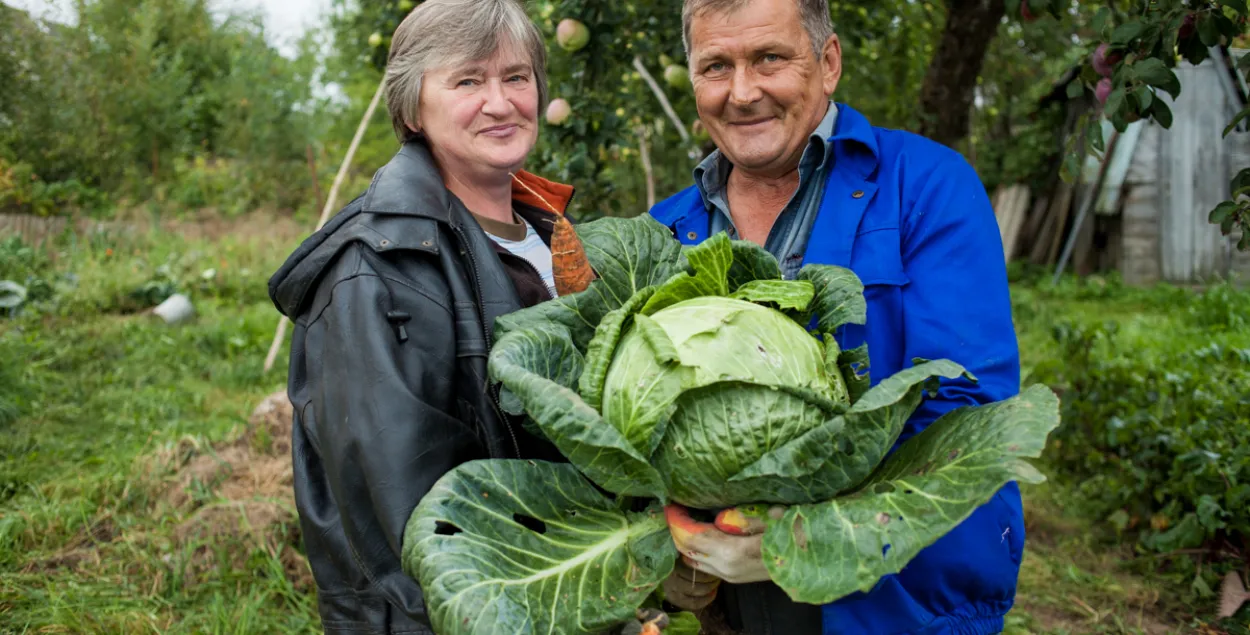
1143 209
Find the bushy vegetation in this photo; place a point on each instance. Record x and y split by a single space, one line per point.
156 99
1156 398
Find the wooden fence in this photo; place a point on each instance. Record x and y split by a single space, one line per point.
41 230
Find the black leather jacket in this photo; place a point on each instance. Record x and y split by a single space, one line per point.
392 304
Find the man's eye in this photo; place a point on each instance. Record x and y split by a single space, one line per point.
716 67
772 57
466 82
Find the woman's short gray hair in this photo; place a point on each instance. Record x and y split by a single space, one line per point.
445 32
813 14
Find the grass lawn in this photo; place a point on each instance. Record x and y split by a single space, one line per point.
106 414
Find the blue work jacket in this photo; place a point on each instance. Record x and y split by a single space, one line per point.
912 219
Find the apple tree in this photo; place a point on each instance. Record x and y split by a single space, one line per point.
1139 45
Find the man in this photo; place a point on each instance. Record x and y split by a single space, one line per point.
814 182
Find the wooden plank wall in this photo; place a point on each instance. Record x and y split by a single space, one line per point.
1194 174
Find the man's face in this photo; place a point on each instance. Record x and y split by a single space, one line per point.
757 85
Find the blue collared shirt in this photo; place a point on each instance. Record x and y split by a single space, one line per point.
787 240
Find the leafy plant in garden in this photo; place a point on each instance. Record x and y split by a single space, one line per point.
1156 437
697 375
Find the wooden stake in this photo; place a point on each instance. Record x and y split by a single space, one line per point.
659 94
312 168
646 165
280 334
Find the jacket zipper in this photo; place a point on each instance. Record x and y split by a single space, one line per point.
487 331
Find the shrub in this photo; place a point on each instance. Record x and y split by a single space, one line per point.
1157 435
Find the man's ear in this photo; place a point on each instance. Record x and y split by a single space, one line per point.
831 64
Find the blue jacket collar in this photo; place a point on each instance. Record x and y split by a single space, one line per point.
854 149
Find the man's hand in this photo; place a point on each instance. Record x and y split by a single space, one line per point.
728 548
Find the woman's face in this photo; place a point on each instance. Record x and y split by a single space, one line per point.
481 118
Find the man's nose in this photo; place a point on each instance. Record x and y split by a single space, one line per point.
743 89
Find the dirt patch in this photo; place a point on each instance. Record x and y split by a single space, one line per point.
269 427
226 533
257 465
81 550
233 498
1080 617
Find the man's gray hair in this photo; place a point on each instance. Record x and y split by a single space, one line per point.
447 32
813 15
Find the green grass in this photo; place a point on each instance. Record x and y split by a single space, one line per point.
100 387
91 388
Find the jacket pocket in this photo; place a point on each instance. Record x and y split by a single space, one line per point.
877 258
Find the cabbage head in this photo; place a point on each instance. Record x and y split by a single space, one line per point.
697 375
743 380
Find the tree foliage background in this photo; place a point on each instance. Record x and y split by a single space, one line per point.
159 101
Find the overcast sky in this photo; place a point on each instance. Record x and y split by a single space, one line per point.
285 20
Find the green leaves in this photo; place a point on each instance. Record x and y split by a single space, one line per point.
1153 72
1208 30
1232 125
1115 101
751 262
1236 5
581 435
785 294
531 547
854 367
602 347
839 296
12 294
1127 32
824 551
1161 113
710 261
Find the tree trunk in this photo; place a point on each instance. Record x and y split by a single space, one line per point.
948 91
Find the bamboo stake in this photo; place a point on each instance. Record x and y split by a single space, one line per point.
659 94
1088 205
280 334
312 168
646 165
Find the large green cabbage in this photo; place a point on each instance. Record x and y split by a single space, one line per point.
697 375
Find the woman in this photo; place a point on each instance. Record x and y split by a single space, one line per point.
393 303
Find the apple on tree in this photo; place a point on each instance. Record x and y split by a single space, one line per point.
572 35
677 76
558 111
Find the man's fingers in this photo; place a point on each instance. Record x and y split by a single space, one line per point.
733 521
684 529
747 520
